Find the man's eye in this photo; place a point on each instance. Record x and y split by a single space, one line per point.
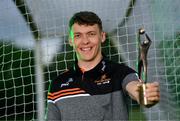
77 36
91 34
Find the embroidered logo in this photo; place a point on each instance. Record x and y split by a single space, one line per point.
103 80
67 83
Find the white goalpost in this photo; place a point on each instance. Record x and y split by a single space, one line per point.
34 50
40 88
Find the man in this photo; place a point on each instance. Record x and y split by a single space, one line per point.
94 88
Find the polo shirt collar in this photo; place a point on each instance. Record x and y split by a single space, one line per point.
100 67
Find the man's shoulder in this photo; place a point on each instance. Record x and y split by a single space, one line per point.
120 67
116 64
63 76
63 80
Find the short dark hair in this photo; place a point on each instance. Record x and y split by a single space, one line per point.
85 18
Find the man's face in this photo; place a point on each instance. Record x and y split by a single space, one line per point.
86 41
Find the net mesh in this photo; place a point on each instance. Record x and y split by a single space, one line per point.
24 22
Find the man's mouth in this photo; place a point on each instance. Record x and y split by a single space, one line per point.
86 49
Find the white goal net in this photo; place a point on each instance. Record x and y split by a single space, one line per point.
34 50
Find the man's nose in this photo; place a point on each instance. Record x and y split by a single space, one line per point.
85 39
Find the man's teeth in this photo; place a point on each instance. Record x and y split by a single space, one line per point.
86 49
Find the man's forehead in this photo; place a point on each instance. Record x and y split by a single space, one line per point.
81 28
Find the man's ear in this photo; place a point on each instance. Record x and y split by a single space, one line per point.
70 42
71 37
103 34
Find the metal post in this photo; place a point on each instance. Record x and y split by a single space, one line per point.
39 82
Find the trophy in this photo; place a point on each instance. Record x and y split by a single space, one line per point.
144 43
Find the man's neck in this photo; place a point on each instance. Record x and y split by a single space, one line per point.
88 65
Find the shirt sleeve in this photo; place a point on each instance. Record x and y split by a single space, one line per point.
130 77
52 112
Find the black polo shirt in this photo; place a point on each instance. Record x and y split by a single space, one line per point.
97 94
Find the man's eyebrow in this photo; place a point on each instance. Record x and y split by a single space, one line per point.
77 32
90 31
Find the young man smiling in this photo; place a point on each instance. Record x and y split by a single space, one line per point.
86 41
95 88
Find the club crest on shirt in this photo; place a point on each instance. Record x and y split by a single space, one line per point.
103 80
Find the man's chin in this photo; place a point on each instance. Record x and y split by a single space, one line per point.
87 59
